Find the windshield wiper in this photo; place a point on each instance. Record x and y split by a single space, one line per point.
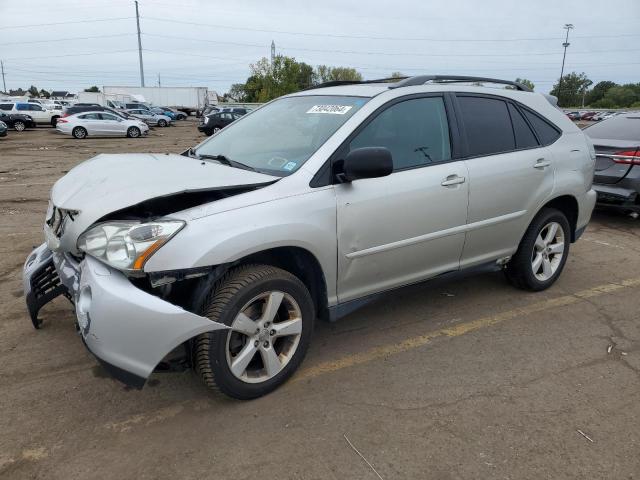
225 161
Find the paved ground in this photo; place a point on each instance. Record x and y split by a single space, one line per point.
470 379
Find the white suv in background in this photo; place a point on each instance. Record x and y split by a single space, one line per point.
40 114
222 258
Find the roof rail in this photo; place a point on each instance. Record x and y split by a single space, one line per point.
422 79
337 83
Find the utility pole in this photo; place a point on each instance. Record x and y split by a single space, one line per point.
273 52
567 27
4 84
159 80
139 46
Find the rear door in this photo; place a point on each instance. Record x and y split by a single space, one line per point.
93 123
510 172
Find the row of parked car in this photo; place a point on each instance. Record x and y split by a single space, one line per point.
84 119
591 116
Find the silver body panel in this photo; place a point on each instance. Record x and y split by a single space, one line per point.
367 236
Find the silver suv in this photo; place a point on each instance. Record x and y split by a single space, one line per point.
222 258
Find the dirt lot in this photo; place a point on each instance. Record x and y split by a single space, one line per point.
471 379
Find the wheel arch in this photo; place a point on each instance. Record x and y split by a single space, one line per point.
568 205
299 262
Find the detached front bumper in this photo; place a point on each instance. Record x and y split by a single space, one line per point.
128 330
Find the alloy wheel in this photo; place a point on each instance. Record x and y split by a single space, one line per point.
548 251
264 337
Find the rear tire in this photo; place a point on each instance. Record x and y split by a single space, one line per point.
19 126
79 133
133 132
54 121
542 252
258 354
162 123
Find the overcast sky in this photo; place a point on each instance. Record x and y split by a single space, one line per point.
212 43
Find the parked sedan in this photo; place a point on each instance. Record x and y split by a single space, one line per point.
17 121
617 175
82 125
214 122
574 115
3 129
149 117
162 111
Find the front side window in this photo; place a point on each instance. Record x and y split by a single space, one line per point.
35 107
414 131
107 116
487 125
281 136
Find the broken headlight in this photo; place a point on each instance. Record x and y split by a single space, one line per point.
127 245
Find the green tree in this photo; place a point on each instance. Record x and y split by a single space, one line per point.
33 91
44 94
526 82
269 81
598 91
236 93
324 73
570 93
92 89
397 75
620 96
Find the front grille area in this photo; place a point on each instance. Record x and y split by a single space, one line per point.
45 286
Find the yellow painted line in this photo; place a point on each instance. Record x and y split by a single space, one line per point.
460 329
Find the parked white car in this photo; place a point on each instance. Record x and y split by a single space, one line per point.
149 117
82 125
40 114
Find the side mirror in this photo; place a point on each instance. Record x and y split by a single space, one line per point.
367 162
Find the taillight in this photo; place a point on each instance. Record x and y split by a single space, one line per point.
627 157
64 115
60 120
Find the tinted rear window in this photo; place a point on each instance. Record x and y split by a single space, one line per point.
524 135
547 134
6 106
620 127
487 124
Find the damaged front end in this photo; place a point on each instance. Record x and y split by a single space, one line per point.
128 318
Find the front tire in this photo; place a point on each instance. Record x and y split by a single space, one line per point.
79 133
162 123
133 132
271 315
542 252
19 126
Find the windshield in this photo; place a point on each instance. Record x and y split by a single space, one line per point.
280 137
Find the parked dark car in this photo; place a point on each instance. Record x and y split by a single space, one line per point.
87 107
617 176
17 121
573 115
588 115
3 129
215 122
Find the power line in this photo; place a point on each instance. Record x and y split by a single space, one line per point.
72 55
65 23
368 37
49 40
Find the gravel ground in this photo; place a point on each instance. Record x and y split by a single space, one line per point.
470 379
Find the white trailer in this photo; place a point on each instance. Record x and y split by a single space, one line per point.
188 99
110 100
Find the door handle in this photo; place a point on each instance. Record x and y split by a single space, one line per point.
541 163
452 180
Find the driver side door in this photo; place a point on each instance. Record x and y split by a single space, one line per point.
407 226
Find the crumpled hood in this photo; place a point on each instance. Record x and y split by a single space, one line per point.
110 182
